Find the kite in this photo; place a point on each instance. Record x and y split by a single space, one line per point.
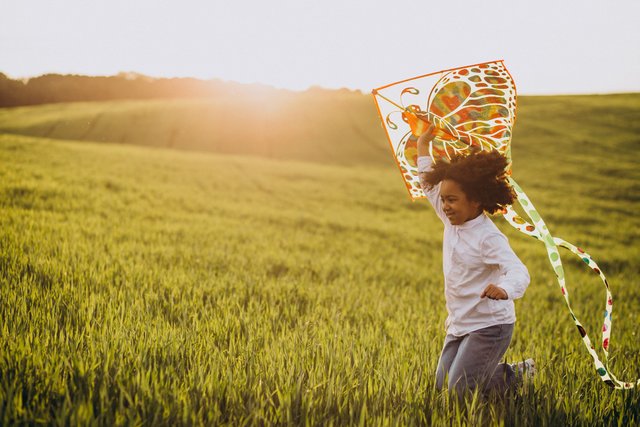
474 108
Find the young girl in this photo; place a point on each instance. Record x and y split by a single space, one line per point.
482 273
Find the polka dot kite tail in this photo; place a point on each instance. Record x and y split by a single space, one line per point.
474 109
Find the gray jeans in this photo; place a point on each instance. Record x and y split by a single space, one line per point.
471 361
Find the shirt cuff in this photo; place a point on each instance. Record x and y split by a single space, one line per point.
508 289
424 164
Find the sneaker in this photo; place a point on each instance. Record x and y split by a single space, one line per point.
526 369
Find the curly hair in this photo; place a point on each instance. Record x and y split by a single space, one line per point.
482 177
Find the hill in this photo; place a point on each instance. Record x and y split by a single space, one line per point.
337 127
306 126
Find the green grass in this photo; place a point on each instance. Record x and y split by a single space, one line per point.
154 286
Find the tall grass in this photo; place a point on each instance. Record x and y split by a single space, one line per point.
158 287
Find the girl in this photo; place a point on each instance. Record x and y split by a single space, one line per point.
482 273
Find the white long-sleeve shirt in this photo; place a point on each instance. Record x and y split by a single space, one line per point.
474 255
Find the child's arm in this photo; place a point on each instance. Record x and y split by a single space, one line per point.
514 279
425 164
424 160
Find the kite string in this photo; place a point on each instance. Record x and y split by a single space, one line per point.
540 231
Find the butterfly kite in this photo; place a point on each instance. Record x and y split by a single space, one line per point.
474 108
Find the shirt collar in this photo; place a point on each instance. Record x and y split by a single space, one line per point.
472 222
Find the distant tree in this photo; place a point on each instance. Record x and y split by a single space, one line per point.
11 91
50 88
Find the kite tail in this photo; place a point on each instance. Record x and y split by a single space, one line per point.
540 231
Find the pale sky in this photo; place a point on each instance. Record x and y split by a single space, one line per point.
558 46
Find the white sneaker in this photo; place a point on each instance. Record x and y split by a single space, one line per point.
526 369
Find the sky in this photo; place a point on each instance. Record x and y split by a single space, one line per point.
550 47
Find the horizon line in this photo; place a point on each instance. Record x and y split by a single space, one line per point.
366 92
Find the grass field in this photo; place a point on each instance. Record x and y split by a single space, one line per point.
157 286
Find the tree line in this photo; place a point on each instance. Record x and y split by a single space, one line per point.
51 88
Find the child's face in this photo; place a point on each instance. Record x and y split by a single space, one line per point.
457 206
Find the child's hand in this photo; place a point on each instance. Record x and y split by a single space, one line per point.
423 140
428 135
494 292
